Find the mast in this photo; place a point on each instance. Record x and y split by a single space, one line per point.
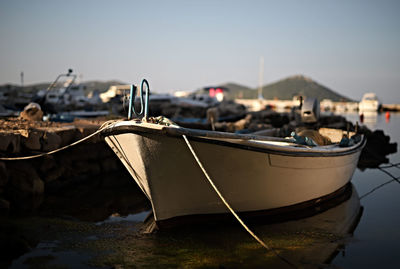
22 79
260 78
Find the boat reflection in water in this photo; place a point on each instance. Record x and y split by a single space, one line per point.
369 118
307 242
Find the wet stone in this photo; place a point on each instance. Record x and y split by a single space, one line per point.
109 164
4 207
54 174
377 148
10 142
83 167
3 174
33 114
68 135
48 162
13 243
25 180
32 142
229 108
259 126
50 141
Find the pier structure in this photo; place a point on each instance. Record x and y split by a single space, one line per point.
326 105
391 107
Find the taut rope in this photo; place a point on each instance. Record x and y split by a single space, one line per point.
230 208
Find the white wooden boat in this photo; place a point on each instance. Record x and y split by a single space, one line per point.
176 167
254 174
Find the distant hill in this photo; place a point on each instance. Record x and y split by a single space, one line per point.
238 91
300 85
90 86
285 89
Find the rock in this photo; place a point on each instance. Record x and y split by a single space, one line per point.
375 151
84 131
50 141
28 185
84 167
24 179
68 135
87 151
259 126
48 162
173 110
270 117
31 116
32 142
4 207
54 174
225 127
212 117
278 120
12 248
243 123
10 142
12 242
229 108
168 110
334 121
32 112
110 164
337 125
3 174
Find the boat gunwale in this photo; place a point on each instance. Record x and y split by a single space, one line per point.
213 137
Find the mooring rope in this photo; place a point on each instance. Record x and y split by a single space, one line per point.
397 165
378 187
104 126
394 179
389 174
230 208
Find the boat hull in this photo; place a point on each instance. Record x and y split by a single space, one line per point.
369 103
368 106
250 180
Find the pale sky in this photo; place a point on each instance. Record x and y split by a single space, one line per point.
349 46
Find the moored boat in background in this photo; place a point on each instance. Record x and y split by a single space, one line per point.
369 103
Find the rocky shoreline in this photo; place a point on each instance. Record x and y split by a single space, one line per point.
24 183
85 182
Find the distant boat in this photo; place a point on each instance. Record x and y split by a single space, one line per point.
326 105
69 116
3 96
69 96
255 174
4 112
369 103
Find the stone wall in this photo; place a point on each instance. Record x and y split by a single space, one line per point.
26 184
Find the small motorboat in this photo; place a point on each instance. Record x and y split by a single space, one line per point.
255 174
369 103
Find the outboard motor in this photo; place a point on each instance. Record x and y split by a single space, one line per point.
310 110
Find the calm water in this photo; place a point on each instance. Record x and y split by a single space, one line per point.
376 240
